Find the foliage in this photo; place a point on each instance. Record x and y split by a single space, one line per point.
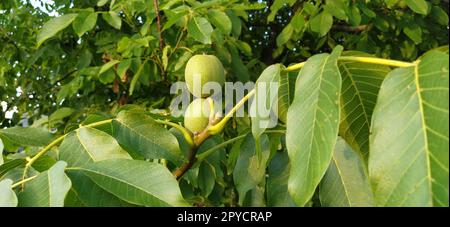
89 88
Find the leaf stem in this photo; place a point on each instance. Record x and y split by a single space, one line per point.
215 129
371 60
208 152
54 143
378 61
295 67
184 131
23 181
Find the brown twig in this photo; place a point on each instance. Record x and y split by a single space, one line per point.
198 140
347 28
158 23
161 40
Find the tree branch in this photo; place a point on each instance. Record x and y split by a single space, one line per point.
347 28
158 23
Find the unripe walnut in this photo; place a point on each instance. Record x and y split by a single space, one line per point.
196 117
208 68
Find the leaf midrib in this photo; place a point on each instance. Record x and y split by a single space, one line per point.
424 131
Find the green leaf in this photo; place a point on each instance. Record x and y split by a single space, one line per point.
48 189
336 8
418 6
236 23
220 20
237 65
312 124
250 170
354 16
8 197
285 94
107 77
113 19
200 29
90 194
84 22
44 163
173 20
277 182
276 6
409 156
123 67
165 58
9 165
360 85
346 182
107 66
87 145
439 15
285 35
206 178
28 136
101 3
53 26
263 101
141 134
321 23
137 182
368 12
414 32
298 22
136 77
60 114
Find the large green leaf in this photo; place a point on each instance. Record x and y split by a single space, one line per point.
264 101
28 136
312 124
409 149
250 170
277 182
140 133
418 6
200 29
414 32
321 23
87 145
137 182
285 35
113 19
87 193
48 189
220 20
53 26
8 197
346 182
84 22
360 85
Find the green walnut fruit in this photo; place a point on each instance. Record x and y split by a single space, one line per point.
196 117
207 68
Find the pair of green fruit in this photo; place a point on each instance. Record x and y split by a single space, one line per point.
205 68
